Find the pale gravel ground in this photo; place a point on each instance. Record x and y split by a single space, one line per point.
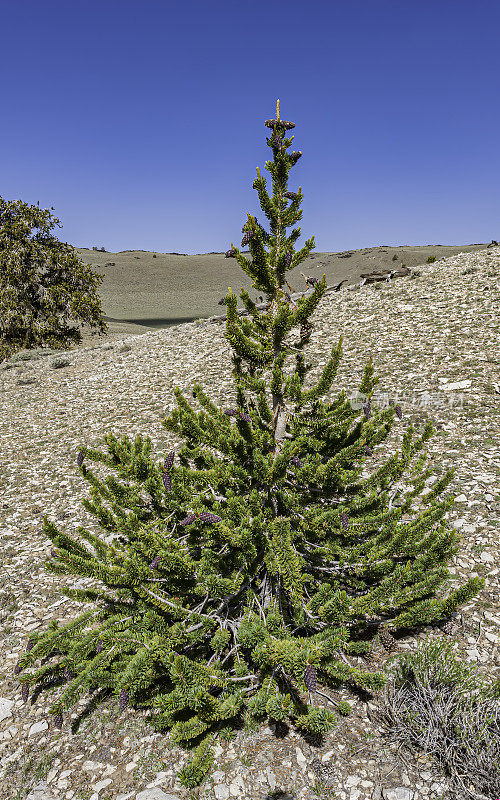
426 334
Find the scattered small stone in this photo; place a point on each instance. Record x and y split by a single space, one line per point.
38 727
40 792
458 385
221 792
400 793
5 708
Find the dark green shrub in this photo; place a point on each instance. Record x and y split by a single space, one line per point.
43 283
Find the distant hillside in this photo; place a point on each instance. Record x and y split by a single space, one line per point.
145 290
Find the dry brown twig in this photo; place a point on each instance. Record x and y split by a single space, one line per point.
436 704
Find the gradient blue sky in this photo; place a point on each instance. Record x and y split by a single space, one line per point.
142 121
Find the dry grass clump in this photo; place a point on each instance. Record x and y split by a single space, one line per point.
437 704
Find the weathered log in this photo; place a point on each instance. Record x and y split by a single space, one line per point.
386 274
369 277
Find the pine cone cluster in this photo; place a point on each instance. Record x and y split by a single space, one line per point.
310 678
397 409
271 123
205 516
248 235
167 466
233 412
123 699
449 628
305 330
388 641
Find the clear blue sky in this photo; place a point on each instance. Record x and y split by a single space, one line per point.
142 121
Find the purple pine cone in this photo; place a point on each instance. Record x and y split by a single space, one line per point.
230 253
368 450
368 410
58 721
246 417
398 411
25 691
291 195
154 563
79 459
345 521
230 412
248 235
188 520
310 677
272 123
17 669
296 460
53 553
167 482
206 516
167 464
123 699
288 260
295 156
30 645
99 646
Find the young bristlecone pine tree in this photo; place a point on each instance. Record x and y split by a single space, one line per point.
264 564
